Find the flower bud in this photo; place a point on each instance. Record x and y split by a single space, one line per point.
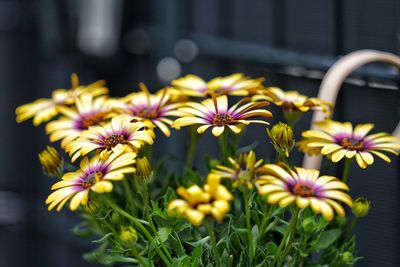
93 205
51 162
143 168
115 218
361 207
282 139
348 258
128 236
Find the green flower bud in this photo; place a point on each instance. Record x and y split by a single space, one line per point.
128 236
51 162
143 168
348 258
93 205
361 207
282 139
115 218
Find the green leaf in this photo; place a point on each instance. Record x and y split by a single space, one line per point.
271 248
164 232
104 238
182 262
196 256
199 242
327 238
254 233
106 258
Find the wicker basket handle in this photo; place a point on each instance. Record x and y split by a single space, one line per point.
334 79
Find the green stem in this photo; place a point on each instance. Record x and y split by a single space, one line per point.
146 206
346 169
140 227
213 242
248 225
194 137
151 223
287 238
325 167
139 258
351 228
266 218
129 197
224 147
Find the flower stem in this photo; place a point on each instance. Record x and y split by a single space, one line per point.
351 228
194 136
248 225
287 238
346 169
140 227
224 147
146 206
139 258
129 197
213 242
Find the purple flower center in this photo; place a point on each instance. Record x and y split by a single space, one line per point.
303 190
352 143
222 119
114 139
91 179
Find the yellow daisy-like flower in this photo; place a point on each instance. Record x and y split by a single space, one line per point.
154 108
216 114
89 111
236 84
197 203
44 109
94 174
337 140
243 170
119 132
292 101
306 188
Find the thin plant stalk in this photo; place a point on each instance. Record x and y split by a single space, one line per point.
129 197
248 225
194 137
346 169
146 200
210 230
224 147
287 238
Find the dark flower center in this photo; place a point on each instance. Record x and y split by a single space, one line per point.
352 144
146 112
91 179
303 190
222 119
93 119
113 140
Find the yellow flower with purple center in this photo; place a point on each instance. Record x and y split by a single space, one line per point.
89 111
155 108
214 112
105 138
338 140
292 101
243 170
44 109
236 84
305 188
94 175
197 203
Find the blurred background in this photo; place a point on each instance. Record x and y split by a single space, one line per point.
291 43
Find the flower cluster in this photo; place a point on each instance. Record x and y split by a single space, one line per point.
109 171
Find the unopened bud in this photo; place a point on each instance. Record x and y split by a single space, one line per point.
348 258
143 168
361 207
282 139
51 162
115 218
128 236
93 205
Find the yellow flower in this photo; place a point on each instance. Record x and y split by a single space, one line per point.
236 84
304 187
151 108
243 170
89 111
51 162
119 132
214 112
95 175
292 101
338 140
197 203
143 168
44 109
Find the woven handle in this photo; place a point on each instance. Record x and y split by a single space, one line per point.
334 79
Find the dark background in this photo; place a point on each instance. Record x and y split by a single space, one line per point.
291 43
